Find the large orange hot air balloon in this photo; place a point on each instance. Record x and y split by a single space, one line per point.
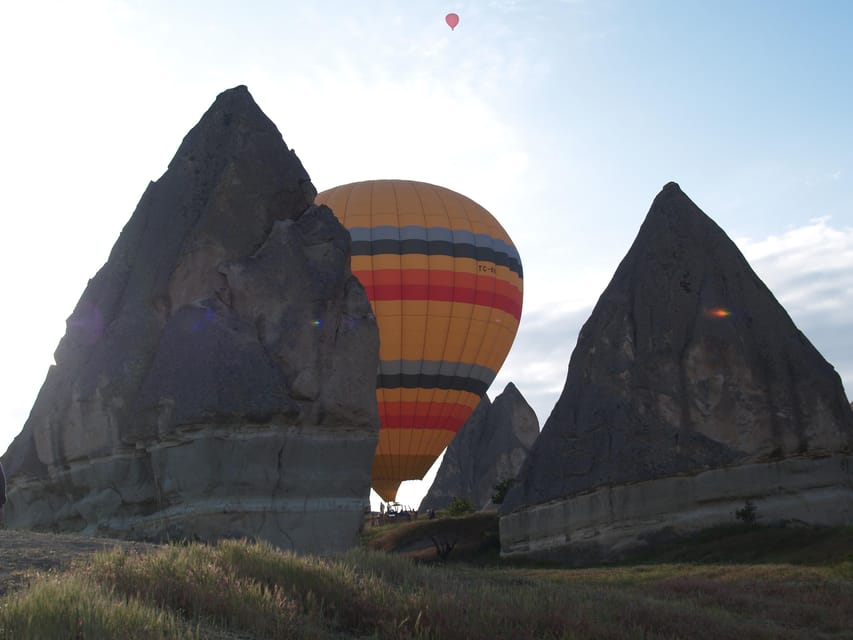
445 283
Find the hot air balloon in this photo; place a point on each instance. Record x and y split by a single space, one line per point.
452 20
445 282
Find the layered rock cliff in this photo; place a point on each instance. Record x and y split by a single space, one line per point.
690 391
489 449
217 377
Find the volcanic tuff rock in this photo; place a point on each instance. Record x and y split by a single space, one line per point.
690 391
490 447
217 377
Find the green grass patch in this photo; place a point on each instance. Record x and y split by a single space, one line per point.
754 544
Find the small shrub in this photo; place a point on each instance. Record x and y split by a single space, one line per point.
748 514
459 507
501 489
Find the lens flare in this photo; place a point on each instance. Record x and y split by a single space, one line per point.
718 312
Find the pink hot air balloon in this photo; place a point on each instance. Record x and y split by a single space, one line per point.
452 20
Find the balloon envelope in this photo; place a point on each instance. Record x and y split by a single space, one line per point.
445 282
452 20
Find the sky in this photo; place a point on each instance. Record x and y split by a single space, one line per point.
563 118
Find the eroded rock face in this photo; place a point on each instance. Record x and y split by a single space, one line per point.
490 448
217 377
687 364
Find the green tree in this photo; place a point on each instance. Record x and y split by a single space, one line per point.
460 506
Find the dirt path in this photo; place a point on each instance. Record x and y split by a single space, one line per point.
22 551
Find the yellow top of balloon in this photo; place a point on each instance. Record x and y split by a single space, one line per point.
445 282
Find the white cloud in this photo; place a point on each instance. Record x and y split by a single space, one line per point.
810 271
539 358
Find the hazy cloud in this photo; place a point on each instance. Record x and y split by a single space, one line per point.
810 271
540 356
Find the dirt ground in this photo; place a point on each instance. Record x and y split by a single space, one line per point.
24 551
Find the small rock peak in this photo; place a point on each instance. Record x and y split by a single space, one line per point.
240 89
511 389
489 448
671 193
237 102
234 126
235 98
674 207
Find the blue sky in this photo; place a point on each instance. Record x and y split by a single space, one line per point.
563 118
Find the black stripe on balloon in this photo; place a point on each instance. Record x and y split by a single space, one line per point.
436 248
413 381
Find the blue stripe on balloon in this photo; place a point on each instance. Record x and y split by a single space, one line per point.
460 236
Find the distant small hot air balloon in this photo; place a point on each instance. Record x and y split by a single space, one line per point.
452 20
445 283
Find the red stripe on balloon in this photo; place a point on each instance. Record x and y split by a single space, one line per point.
425 415
444 286
445 294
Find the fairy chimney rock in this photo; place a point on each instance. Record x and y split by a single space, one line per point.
217 376
490 448
689 392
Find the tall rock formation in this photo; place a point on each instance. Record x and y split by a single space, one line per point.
490 447
217 377
689 392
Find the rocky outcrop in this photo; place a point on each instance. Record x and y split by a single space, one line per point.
490 447
217 377
689 392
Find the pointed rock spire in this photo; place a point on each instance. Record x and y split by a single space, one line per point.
490 447
688 363
217 376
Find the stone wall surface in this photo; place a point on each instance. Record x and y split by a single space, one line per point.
217 376
611 522
687 364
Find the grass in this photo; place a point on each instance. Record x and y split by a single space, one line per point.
738 543
475 537
69 606
800 587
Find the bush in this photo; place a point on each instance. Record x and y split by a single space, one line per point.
501 489
459 507
748 514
